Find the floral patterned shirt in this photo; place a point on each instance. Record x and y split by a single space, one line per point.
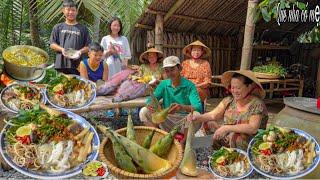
232 117
198 74
147 71
256 107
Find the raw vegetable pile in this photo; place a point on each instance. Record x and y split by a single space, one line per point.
272 68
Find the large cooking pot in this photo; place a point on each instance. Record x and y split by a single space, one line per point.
23 72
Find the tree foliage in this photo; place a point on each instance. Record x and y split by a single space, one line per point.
15 18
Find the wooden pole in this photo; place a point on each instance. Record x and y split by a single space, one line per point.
248 36
239 44
150 39
173 9
159 32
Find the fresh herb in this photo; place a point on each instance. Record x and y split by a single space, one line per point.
219 153
51 74
230 156
47 125
272 68
48 130
288 139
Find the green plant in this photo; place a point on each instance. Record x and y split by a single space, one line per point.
16 17
272 68
268 9
312 36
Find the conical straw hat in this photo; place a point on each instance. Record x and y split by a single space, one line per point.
187 50
227 76
144 56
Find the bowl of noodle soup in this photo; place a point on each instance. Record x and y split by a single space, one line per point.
283 153
230 163
70 92
12 97
57 155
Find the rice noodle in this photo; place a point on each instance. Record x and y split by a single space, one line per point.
290 162
234 169
26 105
24 155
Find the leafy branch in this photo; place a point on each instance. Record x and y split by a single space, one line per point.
312 36
268 9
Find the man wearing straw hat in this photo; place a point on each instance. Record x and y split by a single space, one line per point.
243 112
177 92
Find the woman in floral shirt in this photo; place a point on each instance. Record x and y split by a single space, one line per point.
244 112
197 69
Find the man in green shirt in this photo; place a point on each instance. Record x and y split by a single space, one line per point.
177 92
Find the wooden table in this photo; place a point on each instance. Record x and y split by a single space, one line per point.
272 85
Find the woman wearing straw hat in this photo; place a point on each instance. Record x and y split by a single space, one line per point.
128 88
197 69
133 88
151 63
244 112
151 66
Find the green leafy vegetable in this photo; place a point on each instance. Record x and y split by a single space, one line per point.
229 155
272 68
51 74
47 126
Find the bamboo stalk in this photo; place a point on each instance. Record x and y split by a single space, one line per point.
248 36
159 32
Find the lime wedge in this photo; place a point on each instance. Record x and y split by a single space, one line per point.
23 131
221 159
58 87
265 146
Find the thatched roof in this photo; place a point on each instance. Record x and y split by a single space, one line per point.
221 17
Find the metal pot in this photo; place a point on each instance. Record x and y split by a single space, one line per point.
25 73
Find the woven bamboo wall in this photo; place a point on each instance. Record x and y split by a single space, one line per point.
226 52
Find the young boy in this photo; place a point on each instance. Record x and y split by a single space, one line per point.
92 68
69 35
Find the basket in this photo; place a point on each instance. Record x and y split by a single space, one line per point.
174 156
266 75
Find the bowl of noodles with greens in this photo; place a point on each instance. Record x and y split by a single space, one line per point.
47 143
230 163
17 96
283 153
